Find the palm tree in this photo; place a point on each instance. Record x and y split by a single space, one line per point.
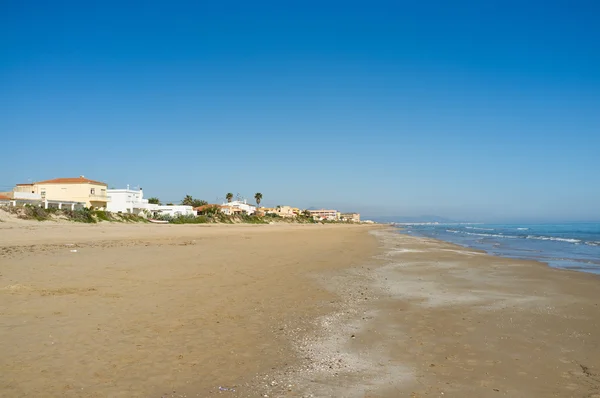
188 200
229 197
258 198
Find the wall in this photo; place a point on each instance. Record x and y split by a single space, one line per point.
126 201
75 193
173 211
249 209
27 195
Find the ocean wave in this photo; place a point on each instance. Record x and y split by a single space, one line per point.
481 229
533 237
554 238
483 234
523 229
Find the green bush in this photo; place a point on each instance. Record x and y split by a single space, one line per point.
35 212
252 219
102 215
189 219
82 215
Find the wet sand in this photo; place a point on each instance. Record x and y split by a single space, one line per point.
285 311
431 319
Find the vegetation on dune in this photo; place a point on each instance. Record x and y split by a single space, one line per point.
252 219
84 215
181 219
102 215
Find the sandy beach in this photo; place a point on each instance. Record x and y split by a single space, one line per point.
125 310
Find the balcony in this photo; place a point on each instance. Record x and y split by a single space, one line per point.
99 198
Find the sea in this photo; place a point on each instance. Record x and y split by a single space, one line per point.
570 246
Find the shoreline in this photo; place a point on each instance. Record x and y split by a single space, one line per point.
570 253
541 262
442 318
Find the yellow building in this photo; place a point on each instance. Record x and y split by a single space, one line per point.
80 189
350 217
285 211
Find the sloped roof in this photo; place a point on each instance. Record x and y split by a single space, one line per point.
75 180
4 197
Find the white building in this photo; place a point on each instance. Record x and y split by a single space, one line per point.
323 214
170 210
127 200
229 207
132 201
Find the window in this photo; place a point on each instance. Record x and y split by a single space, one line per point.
93 191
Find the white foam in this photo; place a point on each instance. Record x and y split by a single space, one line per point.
553 238
482 234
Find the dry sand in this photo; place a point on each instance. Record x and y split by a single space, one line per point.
285 311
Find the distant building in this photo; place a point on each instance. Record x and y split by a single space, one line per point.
322 214
170 210
286 211
350 217
207 209
237 207
266 210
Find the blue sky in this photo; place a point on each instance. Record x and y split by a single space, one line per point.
482 110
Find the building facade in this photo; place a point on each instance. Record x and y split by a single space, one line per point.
350 217
245 207
170 210
130 201
93 194
322 214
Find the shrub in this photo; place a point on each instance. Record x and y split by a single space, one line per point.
252 219
102 215
189 219
83 215
34 212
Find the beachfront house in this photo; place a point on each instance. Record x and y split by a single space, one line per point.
350 217
63 193
130 201
285 211
324 215
207 209
170 210
266 210
238 207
